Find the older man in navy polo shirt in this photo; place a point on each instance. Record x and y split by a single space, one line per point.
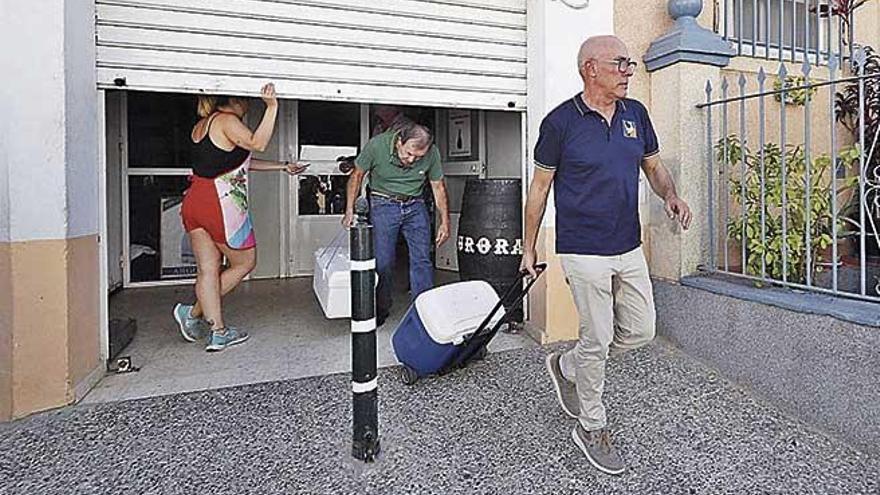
590 149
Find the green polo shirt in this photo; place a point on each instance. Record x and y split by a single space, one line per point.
388 175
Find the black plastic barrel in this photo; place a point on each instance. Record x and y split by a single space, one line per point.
490 234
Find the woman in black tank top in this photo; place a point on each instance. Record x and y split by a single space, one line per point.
211 161
215 210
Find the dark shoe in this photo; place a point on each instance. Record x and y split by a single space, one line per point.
566 391
512 328
596 445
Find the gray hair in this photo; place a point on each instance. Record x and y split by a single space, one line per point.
407 130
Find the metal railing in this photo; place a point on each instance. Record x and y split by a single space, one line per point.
789 212
793 30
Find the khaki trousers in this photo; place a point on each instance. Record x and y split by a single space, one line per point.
615 303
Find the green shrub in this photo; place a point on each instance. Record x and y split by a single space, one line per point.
767 255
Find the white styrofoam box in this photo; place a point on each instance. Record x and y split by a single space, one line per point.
452 312
447 253
323 159
332 281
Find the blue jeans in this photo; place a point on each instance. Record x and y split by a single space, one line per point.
390 218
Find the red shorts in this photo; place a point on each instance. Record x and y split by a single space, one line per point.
201 209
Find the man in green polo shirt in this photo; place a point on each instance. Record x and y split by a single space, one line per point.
399 162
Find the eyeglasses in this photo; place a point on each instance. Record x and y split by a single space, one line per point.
624 65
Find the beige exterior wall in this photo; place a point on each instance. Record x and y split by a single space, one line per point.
638 23
50 323
868 24
83 292
39 313
553 316
6 348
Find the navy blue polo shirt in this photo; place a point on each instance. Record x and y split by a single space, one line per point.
596 181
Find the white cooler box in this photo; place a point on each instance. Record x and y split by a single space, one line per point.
332 281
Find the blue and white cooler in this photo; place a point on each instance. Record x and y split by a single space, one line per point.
431 333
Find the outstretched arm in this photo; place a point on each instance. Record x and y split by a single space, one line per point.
294 168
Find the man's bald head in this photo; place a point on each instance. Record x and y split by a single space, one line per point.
598 47
599 64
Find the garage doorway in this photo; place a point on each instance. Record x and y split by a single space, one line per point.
150 269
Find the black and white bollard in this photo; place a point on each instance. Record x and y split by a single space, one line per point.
365 446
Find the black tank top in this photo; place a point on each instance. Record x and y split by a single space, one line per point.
210 161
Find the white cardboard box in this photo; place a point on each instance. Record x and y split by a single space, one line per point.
332 281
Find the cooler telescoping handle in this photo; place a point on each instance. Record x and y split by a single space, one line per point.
513 294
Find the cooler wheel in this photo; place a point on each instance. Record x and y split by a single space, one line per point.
409 375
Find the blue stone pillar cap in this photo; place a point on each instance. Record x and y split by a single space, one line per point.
687 41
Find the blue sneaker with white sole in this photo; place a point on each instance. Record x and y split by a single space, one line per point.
221 339
191 328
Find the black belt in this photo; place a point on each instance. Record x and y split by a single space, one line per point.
400 198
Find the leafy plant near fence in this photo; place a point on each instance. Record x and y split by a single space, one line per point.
797 96
769 250
848 111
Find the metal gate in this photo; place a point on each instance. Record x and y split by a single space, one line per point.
794 178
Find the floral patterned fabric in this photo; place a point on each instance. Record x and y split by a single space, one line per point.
232 191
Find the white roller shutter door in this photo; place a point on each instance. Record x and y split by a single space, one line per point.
423 52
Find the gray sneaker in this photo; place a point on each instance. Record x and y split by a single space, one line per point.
219 340
566 391
191 328
596 445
